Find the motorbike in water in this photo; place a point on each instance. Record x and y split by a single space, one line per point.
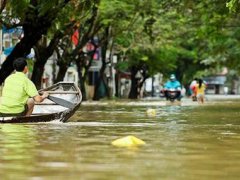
172 94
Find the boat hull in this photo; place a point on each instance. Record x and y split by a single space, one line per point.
51 111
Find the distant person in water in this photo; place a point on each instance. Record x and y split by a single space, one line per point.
200 91
19 93
192 88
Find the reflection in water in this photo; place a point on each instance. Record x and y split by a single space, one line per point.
182 142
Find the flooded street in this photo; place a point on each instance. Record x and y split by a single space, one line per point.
182 142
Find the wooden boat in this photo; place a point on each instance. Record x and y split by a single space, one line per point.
64 99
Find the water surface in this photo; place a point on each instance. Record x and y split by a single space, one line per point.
182 142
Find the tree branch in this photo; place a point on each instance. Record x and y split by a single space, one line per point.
3 5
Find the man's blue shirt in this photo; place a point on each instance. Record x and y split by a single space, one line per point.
172 85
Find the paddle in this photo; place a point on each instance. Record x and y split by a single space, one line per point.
61 102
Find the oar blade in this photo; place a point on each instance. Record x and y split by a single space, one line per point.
62 102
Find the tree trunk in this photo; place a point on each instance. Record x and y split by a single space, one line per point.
42 53
134 84
101 78
61 73
82 80
38 73
83 88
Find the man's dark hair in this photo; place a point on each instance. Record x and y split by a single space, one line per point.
19 64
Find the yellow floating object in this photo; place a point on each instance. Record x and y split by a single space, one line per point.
128 141
151 112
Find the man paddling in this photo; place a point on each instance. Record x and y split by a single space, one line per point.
19 93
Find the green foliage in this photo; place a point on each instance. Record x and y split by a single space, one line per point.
165 36
18 6
16 9
233 5
122 66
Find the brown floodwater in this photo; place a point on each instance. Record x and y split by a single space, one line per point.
182 142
